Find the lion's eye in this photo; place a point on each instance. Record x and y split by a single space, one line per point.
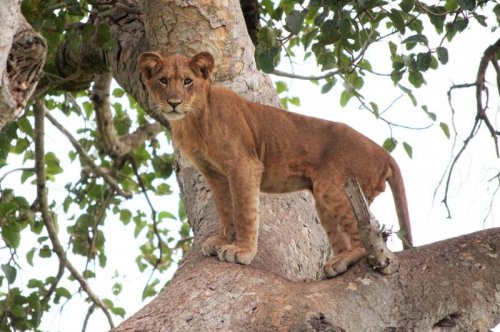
188 81
163 80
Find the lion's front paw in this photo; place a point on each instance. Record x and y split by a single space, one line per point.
342 261
213 244
235 254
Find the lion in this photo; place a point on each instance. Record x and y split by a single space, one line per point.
243 148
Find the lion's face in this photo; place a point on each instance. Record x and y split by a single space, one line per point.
177 83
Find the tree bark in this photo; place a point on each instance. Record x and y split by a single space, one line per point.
22 55
449 283
453 282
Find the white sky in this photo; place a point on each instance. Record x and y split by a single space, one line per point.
470 192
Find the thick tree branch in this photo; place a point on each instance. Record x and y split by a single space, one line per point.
435 282
114 145
22 55
39 110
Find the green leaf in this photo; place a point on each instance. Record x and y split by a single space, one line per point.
150 290
45 252
327 60
294 101
467 4
445 129
396 76
393 48
438 20
119 311
294 21
25 175
118 92
10 273
389 144
281 87
496 10
397 20
407 5
408 149
442 54
374 107
163 189
416 39
268 59
11 234
117 288
25 126
102 259
125 216
460 24
423 61
345 96
35 283
266 37
416 79
451 5
52 163
166 215
309 37
63 292
409 93
431 115
277 13
481 19
29 256
328 86
104 36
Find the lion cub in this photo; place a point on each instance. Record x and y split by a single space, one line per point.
243 148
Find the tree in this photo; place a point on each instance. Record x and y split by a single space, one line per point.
120 156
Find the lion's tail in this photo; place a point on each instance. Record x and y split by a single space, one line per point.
398 192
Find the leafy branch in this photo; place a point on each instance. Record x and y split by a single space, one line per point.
48 221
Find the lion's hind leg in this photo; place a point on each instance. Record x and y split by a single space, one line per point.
338 221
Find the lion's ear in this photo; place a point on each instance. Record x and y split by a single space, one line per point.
202 64
150 63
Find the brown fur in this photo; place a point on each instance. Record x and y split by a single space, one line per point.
243 148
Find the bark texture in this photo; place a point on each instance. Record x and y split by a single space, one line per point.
454 282
450 285
22 55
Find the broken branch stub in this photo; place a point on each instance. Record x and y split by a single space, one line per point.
379 256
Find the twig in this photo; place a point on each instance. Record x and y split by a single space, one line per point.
379 257
308 78
55 283
39 110
489 56
87 159
154 214
389 123
90 311
28 169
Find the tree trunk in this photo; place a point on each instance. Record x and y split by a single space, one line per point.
22 54
447 285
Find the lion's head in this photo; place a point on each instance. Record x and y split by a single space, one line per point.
177 84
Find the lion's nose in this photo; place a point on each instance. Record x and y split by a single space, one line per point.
174 103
